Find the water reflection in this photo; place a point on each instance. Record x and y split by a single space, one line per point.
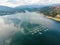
32 29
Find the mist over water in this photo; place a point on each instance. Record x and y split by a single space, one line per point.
9 24
37 18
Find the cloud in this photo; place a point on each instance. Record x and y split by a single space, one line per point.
32 17
1 1
8 26
6 30
13 3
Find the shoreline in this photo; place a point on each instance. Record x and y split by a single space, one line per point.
54 18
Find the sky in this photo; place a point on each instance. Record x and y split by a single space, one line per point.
13 3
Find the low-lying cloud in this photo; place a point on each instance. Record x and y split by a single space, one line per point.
10 24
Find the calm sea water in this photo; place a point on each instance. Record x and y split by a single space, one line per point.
29 28
50 36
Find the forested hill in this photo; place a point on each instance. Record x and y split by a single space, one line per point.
50 10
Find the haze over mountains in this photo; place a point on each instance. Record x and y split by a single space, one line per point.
6 10
47 10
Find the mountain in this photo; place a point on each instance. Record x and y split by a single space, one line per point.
52 10
29 8
42 8
4 10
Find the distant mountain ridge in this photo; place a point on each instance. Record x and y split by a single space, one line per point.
30 8
4 10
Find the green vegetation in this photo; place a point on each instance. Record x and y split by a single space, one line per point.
49 11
